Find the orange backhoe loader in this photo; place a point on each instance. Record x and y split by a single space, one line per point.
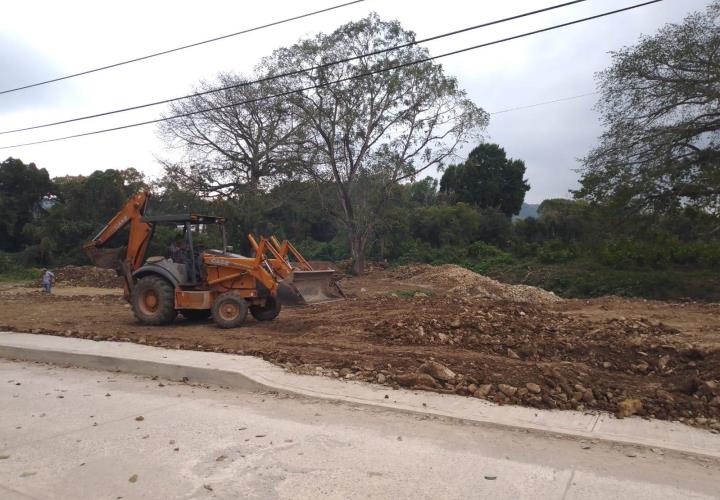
196 283
302 283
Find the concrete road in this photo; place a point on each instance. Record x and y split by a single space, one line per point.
73 434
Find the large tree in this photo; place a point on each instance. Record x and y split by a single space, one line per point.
487 179
364 134
660 106
22 188
232 142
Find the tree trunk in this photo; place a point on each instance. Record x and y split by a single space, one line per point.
357 250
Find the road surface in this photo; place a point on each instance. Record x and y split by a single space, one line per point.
72 433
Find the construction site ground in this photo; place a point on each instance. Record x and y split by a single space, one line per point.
442 329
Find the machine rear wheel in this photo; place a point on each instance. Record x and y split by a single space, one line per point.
229 310
268 312
153 301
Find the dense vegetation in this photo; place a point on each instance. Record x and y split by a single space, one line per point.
339 171
572 247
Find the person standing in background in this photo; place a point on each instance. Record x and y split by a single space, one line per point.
48 278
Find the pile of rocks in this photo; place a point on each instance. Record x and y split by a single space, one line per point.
459 281
89 276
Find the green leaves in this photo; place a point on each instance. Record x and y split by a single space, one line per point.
22 189
487 179
660 106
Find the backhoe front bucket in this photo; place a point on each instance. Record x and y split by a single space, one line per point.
289 295
309 287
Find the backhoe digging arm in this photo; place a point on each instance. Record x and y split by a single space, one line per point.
131 214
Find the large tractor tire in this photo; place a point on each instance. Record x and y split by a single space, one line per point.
229 310
196 314
153 301
268 312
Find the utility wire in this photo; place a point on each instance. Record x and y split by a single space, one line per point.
341 80
543 103
183 47
296 72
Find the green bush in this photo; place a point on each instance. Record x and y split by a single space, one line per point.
659 253
38 255
7 262
555 251
481 250
333 250
12 268
478 256
523 249
707 254
585 278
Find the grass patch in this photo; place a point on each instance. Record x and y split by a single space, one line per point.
19 274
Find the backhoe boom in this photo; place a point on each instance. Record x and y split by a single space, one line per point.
131 214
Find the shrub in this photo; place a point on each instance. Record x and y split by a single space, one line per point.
659 253
334 250
555 251
12 268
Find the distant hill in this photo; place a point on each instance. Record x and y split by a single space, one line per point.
528 210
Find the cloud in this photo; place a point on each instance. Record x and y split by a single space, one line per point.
21 64
540 68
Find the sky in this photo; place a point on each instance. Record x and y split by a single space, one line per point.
40 40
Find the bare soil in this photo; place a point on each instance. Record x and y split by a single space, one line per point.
87 276
449 330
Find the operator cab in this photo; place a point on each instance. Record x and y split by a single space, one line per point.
188 271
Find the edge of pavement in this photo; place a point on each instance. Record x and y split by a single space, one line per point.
255 374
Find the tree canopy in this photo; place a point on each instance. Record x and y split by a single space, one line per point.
363 133
22 188
487 179
239 145
361 126
660 106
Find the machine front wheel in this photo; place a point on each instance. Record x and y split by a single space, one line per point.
268 312
229 310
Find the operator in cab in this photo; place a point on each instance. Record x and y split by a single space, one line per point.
177 250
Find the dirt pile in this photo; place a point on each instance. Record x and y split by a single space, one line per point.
87 276
459 281
548 359
625 357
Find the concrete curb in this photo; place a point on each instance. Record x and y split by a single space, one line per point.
254 374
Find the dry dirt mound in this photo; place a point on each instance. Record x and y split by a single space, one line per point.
90 276
459 281
549 359
626 361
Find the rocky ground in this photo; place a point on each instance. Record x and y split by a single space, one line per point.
86 276
449 330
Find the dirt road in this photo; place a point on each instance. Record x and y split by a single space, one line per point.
515 345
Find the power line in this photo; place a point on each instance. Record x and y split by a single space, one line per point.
543 103
296 72
183 47
341 80
361 75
